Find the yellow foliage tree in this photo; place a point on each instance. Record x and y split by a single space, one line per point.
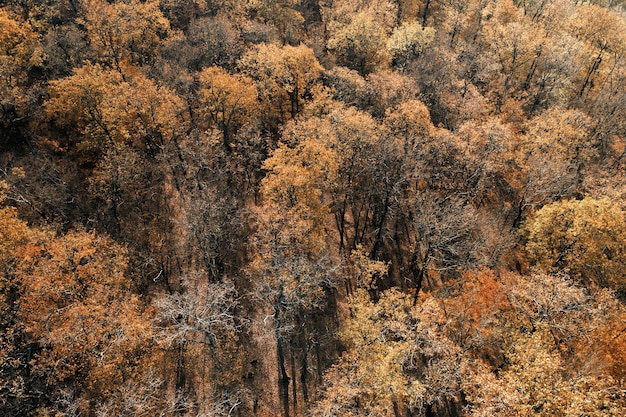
396 362
361 44
585 237
124 31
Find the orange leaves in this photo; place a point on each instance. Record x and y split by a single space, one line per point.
410 123
12 230
20 51
68 302
19 45
77 304
298 177
282 75
226 101
109 107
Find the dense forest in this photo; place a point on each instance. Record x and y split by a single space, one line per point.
393 208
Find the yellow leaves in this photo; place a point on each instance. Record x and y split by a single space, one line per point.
366 271
396 357
600 27
127 30
360 45
283 14
358 32
511 39
586 237
537 384
552 356
378 340
408 41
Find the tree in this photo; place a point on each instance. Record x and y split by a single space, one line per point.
552 360
79 310
360 44
554 155
283 76
292 267
20 52
356 143
443 238
396 362
537 383
514 43
127 31
18 390
71 322
201 323
212 41
602 31
585 237
106 107
284 15
407 43
226 101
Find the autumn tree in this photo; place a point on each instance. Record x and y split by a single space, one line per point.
553 156
106 107
17 388
443 239
358 33
407 42
80 311
20 52
211 41
548 332
226 101
282 75
284 15
118 125
396 362
201 322
293 269
76 324
599 49
385 90
362 158
124 31
513 43
584 237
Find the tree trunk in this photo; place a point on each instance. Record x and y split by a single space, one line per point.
283 378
